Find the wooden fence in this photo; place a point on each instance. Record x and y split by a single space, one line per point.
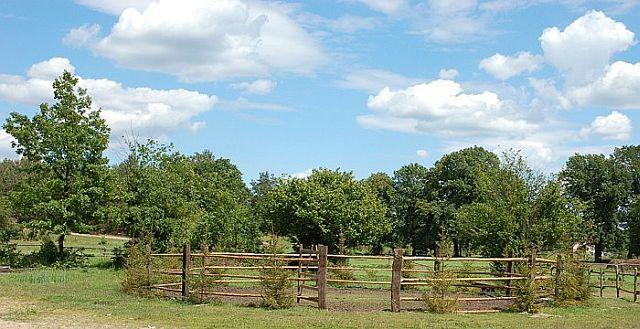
618 273
315 270
310 266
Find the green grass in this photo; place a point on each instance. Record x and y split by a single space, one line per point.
94 296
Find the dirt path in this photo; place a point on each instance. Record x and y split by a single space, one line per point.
22 315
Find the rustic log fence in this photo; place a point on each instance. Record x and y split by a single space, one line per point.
314 271
618 273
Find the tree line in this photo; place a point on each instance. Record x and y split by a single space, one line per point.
472 200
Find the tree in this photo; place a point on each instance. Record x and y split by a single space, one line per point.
629 158
328 207
602 185
517 209
382 185
410 185
453 183
65 143
259 190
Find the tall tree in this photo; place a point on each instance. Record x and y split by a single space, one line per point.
629 158
65 143
602 185
328 207
382 185
453 183
410 185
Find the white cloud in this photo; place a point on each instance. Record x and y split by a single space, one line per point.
504 67
352 24
448 74
422 154
258 87
618 88
145 110
548 95
583 49
303 174
114 7
242 103
615 126
5 145
373 80
209 40
441 107
85 35
388 7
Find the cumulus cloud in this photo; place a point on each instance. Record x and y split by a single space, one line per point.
258 87
441 107
303 174
5 145
615 126
422 154
584 48
448 74
144 110
618 88
85 35
114 7
373 80
504 67
548 95
209 40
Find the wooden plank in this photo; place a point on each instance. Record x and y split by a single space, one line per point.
601 281
303 286
231 294
346 268
463 299
310 298
360 257
396 280
617 281
635 284
358 281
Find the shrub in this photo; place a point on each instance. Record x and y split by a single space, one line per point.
442 296
527 294
137 280
276 288
572 285
120 256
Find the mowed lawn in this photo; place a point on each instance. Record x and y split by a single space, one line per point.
92 298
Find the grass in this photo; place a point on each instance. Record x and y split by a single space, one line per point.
94 295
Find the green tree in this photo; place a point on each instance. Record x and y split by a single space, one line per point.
601 184
65 144
382 185
453 183
410 185
328 207
629 158
518 209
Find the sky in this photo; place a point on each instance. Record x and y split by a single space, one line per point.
360 85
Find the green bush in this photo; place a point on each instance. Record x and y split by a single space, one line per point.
572 285
442 296
137 280
276 288
527 293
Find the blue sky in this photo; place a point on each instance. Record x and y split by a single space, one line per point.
363 85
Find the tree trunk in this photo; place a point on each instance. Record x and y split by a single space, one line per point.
598 253
61 245
457 252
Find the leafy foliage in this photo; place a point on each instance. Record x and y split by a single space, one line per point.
64 143
324 207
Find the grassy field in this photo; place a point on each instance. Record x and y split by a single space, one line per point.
92 298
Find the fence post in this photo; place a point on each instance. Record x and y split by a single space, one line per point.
322 277
556 291
149 269
300 248
635 284
532 263
617 281
601 280
396 280
186 258
510 270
